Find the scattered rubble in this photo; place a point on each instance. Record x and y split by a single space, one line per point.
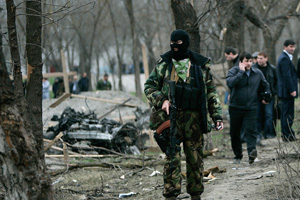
108 133
93 125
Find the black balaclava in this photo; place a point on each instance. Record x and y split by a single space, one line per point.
182 48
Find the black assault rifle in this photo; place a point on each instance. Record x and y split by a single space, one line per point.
172 148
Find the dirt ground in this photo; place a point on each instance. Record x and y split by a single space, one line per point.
261 180
137 179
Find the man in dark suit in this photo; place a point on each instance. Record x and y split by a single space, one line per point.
287 89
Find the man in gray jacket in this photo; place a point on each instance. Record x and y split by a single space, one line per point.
246 84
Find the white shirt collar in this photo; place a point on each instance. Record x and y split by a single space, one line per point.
290 55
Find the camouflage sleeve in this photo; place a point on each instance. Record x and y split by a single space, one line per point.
153 85
213 101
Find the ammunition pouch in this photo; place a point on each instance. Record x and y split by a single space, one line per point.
187 97
162 137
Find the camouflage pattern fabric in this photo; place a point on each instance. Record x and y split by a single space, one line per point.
188 127
181 67
157 90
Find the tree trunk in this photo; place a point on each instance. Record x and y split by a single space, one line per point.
14 51
112 63
235 27
151 57
135 57
254 38
118 47
186 19
22 164
2 57
271 36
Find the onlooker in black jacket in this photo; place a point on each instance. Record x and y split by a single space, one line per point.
287 89
298 68
265 111
55 87
233 60
231 55
245 83
84 82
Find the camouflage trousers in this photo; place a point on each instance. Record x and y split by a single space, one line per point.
189 133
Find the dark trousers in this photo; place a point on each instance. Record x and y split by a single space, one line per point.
265 119
287 117
242 118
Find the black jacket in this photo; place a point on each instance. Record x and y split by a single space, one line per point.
287 77
298 68
271 77
236 61
245 90
84 84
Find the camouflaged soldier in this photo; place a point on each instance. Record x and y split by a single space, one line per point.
195 94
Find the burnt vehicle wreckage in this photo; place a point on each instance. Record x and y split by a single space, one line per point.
85 130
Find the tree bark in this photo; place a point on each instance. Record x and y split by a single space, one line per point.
270 35
2 57
22 164
186 19
34 95
135 57
14 51
235 27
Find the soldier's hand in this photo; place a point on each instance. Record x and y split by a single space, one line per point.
264 102
294 93
219 126
165 106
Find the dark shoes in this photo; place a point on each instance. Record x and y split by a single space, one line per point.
170 198
270 136
289 139
252 156
260 144
195 197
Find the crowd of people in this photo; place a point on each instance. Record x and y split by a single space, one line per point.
261 101
259 94
76 85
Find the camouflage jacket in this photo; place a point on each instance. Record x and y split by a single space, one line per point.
157 90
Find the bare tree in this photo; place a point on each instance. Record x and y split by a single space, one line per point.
23 172
271 35
2 58
135 57
117 47
235 26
